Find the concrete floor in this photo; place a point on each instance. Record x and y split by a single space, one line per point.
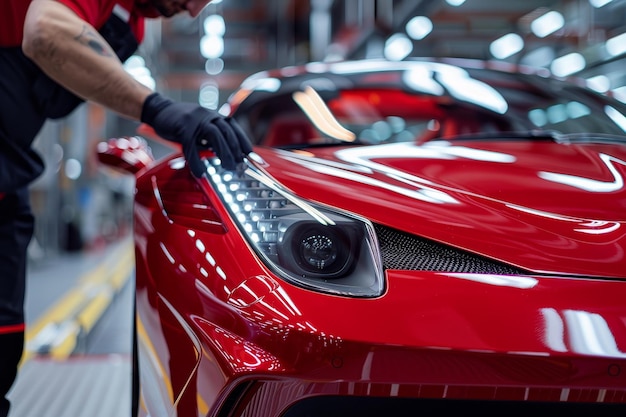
79 314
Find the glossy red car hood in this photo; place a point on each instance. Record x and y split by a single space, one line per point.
540 205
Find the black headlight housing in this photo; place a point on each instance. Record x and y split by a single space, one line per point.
313 246
320 251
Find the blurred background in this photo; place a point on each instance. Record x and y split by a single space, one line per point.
80 206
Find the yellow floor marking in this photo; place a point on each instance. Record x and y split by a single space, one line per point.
142 336
85 302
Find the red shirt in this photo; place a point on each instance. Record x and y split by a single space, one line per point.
94 12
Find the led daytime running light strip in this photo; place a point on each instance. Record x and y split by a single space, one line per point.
316 214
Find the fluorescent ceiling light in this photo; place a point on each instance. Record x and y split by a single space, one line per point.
540 57
620 93
211 46
616 45
506 46
398 47
547 24
599 3
568 64
419 27
600 83
214 25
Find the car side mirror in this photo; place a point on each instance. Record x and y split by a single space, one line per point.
127 154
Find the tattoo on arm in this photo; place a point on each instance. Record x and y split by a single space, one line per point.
88 38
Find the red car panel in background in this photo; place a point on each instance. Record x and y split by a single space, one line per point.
407 238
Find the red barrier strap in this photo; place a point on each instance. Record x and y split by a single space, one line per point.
12 328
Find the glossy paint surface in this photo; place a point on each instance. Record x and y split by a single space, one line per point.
222 333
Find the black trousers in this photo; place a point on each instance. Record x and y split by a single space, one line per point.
20 121
16 230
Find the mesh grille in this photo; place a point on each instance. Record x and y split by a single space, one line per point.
407 252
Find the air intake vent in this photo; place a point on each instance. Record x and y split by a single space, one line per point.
407 252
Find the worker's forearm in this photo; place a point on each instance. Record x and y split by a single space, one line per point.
74 54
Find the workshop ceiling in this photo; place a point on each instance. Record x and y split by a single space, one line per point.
262 34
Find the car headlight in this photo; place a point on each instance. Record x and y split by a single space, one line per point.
317 247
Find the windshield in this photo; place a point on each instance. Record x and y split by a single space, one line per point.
440 106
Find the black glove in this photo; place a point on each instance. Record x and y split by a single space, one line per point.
196 127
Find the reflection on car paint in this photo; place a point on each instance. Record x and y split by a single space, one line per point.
589 184
584 332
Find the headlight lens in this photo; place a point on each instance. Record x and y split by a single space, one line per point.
317 247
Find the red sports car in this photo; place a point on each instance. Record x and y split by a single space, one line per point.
408 238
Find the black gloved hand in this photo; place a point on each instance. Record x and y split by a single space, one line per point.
196 127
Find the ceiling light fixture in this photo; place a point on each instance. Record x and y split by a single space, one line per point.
419 27
506 46
568 64
547 24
